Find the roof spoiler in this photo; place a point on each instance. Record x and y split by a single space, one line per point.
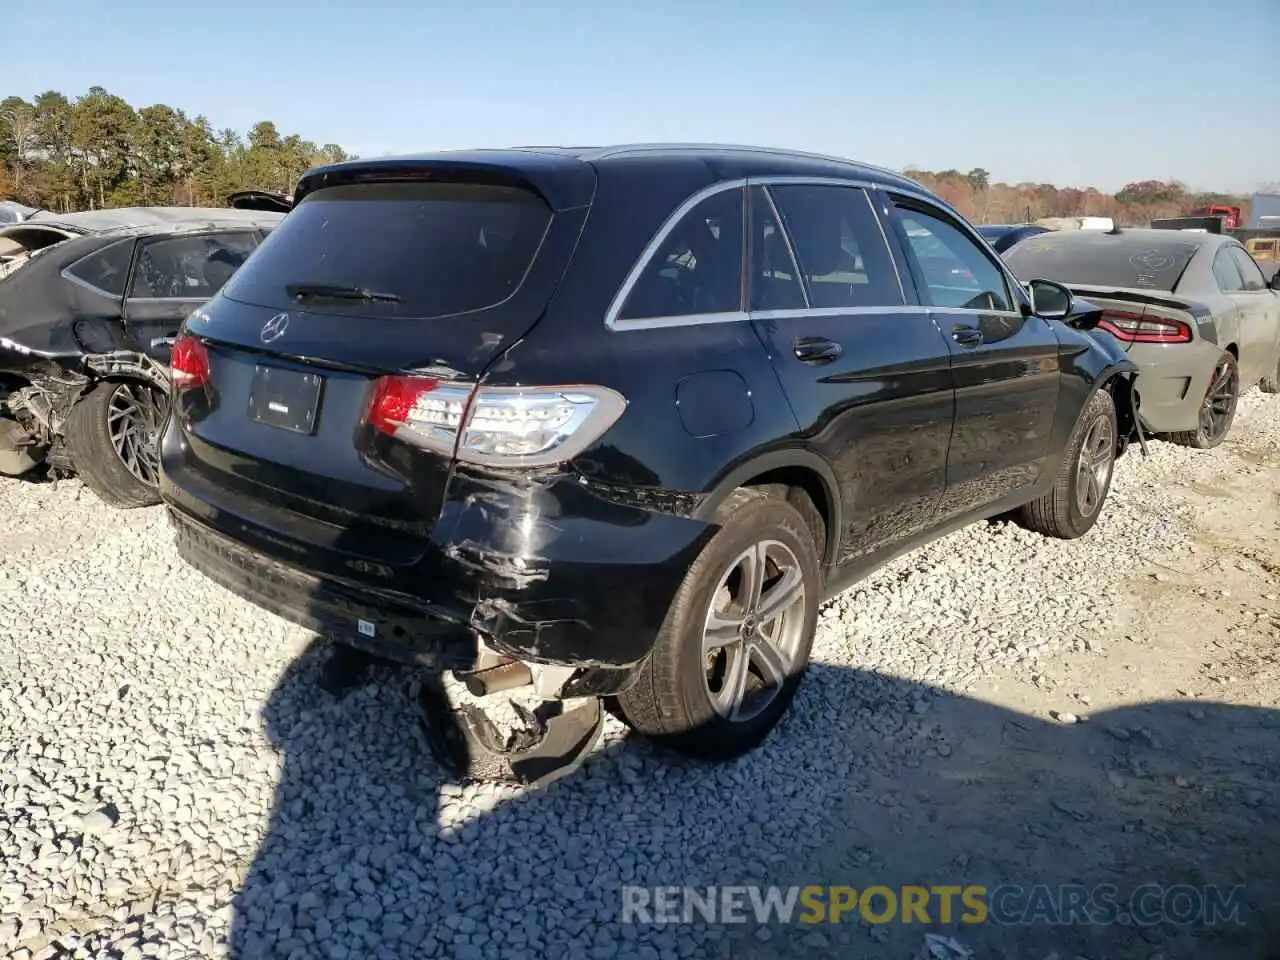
260 200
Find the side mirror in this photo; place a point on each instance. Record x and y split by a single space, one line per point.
1049 299
1275 282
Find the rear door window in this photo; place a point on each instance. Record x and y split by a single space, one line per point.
106 270
697 269
1227 273
1250 275
775 280
838 245
1094 258
191 267
429 250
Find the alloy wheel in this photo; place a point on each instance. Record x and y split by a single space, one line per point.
753 630
1219 405
135 414
1094 465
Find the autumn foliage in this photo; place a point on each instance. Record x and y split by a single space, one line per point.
98 151
982 201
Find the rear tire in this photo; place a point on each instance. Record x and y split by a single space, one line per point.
112 436
735 644
1084 480
1217 409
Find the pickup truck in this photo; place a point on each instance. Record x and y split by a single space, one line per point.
1266 250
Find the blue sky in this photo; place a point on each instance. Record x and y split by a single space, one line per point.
1085 92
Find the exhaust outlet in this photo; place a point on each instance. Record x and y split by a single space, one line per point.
505 676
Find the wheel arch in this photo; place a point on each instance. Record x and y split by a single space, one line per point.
1121 380
795 468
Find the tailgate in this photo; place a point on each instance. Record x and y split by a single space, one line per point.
361 280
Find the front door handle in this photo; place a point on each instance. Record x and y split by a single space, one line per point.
966 335
815 349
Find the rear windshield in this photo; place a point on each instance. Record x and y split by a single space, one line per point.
425 249
1101 259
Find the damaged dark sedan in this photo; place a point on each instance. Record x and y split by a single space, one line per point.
89 305
608 425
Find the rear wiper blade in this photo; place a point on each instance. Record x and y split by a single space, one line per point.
332 291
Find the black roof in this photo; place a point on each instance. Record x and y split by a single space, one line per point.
551 169
765 157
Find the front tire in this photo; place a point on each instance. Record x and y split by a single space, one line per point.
112 436
1074 504
1217 409
735 644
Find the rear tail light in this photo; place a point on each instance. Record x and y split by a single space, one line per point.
494 426
1144 328
188 363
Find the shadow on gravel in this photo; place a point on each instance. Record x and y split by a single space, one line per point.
871 780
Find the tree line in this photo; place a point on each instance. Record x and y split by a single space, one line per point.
98 151
982 201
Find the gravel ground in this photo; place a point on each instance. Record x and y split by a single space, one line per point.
174 784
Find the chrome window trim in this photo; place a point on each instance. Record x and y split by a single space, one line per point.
908 308
611 319
791 253
169 299
614 322
784 179
680 320
814 312
978 312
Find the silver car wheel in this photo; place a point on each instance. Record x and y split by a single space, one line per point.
135 414
753 630
1094 465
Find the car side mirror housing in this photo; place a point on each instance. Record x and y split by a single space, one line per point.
1275 281
1050 299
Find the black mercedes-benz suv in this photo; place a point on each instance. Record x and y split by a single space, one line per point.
611 423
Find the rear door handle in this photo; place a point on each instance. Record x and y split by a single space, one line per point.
815 349
966 335
158 342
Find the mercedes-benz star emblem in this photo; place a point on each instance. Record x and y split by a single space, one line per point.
274 328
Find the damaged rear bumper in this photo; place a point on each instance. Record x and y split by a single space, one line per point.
414 636
544 571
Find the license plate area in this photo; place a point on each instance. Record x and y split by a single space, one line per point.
287 399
